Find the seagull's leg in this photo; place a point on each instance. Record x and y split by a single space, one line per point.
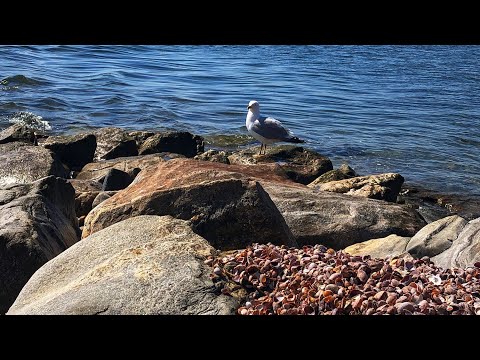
261 148
265 150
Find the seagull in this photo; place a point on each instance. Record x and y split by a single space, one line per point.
267 130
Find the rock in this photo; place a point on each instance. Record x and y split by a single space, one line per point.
23 163
228 208
433 205
18 132
97 170
338 220
301 165
74 151
101 197
114 143
343 172
140 136
116 180
81 186
387 247
465 250
143 265
85 193
436 237
84 202
214 155
381 187
180 142
37 222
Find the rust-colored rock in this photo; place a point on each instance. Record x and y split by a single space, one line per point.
225 204
98 170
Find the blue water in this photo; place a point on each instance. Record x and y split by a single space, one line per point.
408 109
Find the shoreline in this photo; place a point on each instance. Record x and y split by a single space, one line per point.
113 186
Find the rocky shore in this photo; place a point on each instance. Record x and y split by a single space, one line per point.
137 222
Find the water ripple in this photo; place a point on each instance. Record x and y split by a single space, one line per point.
411 109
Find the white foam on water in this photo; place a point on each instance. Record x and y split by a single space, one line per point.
30 120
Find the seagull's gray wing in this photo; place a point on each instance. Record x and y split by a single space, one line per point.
271 128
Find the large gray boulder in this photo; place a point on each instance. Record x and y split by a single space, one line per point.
465 250
339 220
23 163
225 206
74 151
143 265
37 222
436 237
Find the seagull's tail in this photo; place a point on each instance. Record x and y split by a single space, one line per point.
295 140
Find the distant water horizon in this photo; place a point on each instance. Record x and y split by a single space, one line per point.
414 110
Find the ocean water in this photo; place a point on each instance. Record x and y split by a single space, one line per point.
408 109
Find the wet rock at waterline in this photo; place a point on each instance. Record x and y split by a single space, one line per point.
23 163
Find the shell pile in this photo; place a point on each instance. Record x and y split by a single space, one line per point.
315 280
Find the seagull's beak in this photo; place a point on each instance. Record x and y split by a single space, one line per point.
248 107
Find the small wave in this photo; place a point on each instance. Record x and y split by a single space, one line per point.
30 120
18 80
10 106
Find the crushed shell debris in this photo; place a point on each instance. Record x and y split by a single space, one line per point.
315 280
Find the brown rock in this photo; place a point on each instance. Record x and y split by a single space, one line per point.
338 220
85 185
98 170
179 142
84 202
343 172
381 187
37 222
140 136
114 143
85 193
74 151
301 165
23 163
214 155
390 246
101 197
228 208
18 132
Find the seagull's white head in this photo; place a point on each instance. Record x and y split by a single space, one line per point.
254 106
